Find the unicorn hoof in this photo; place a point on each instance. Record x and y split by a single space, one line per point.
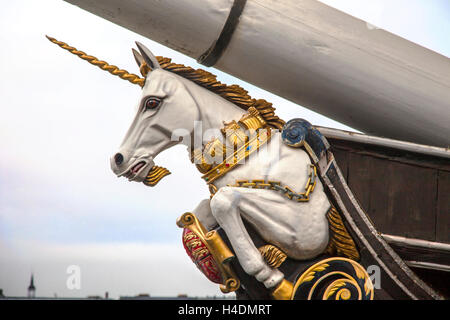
283 291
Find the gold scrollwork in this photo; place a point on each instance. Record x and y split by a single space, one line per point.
186 220
336 287
231 285
349 281
217 248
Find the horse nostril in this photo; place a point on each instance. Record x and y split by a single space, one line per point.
118 159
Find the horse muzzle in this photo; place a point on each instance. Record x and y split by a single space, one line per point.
140 170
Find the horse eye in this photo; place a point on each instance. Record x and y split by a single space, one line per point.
151 103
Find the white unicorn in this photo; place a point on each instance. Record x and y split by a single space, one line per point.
177 97
170 102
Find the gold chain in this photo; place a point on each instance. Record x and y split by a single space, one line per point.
276 185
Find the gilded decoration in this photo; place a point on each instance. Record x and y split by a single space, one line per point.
334 279
209 252
341 243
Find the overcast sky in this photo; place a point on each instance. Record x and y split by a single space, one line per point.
61 119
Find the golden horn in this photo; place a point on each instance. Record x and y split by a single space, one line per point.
125 75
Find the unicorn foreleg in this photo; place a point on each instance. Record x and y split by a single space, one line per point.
225 207
204 214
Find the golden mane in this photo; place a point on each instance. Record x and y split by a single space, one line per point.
233 93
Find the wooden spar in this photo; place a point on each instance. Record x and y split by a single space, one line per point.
311 54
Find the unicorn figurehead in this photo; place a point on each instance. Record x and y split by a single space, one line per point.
175 100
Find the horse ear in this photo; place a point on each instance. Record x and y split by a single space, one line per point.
148 56
137 56
143 66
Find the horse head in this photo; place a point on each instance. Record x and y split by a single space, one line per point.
165 106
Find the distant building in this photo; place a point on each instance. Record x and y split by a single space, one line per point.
142 296
31 288
146 296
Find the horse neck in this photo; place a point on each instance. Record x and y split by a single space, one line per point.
213 110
